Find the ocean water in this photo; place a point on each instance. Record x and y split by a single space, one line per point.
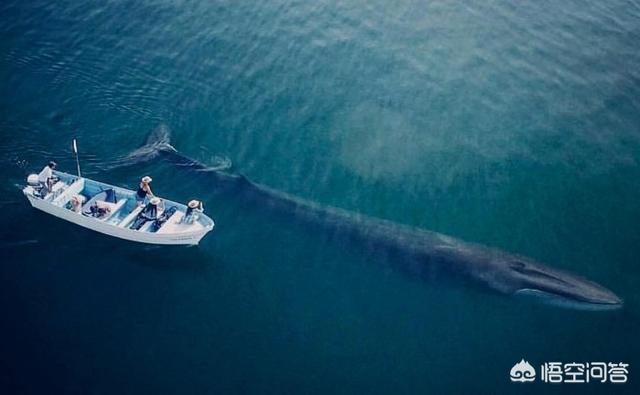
510 124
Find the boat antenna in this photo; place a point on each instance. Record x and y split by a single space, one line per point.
75 151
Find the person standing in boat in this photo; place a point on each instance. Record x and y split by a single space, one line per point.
46 178
144 190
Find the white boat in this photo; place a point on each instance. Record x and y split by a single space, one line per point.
120 215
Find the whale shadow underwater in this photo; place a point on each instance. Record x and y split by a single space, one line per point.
428 255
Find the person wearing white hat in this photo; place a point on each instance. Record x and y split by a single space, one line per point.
144 190
148 213
193 208
153 208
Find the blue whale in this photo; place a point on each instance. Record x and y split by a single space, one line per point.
420 253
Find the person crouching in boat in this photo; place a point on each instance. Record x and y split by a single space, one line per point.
144 190
194 207
148 213
46 177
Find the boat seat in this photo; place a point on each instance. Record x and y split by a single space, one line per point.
169 225
147 225
55 190
106 196
75 188
115 208
132 215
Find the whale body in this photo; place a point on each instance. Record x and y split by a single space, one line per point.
420 253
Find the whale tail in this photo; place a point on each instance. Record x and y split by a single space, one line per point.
158 140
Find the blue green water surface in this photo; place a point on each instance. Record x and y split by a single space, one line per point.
511 124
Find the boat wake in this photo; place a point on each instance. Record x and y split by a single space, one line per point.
16 243
5 203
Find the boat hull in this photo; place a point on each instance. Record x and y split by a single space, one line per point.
185 238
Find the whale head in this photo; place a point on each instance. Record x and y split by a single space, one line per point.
520 276
552 286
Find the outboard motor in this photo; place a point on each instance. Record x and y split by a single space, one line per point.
39 189
32 180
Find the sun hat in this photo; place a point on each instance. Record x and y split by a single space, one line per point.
155 201
146 179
